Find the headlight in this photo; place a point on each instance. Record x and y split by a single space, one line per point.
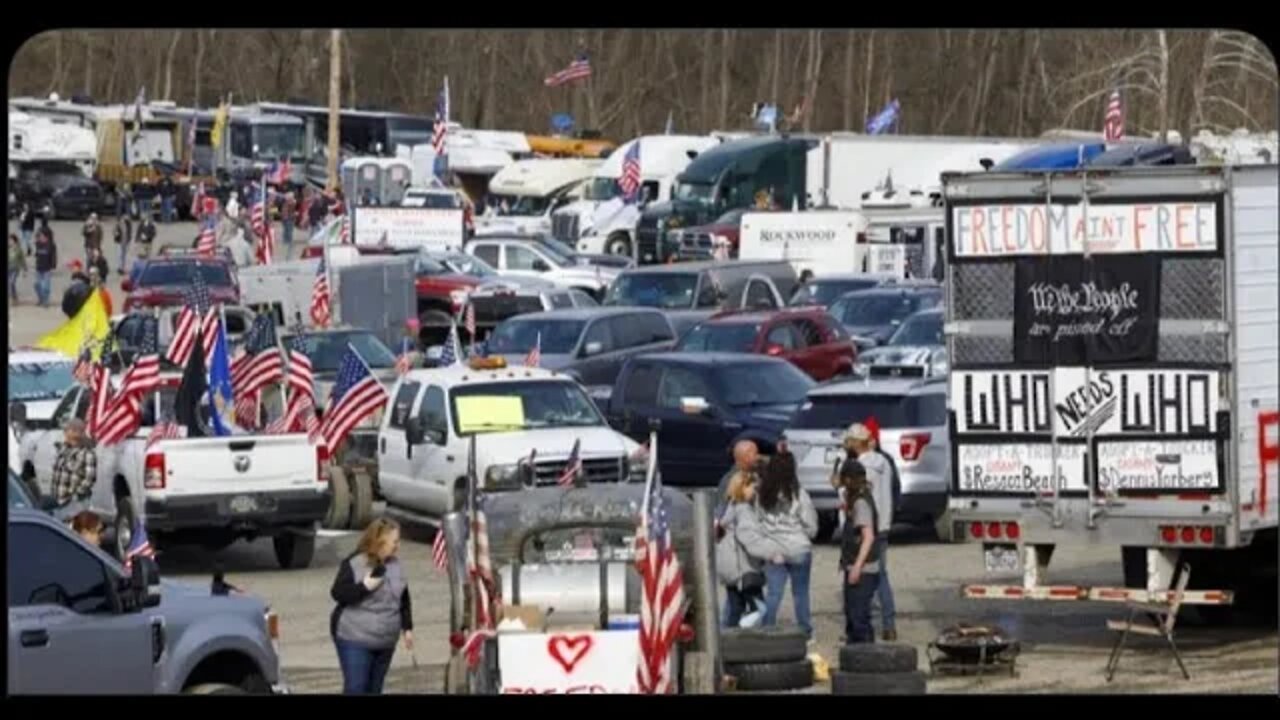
938 367
502 477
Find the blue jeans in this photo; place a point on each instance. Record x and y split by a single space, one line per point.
884 593
288 233
124 256
363 669
26 241
736 604
13 285
166 208
43 283
857 607
775 580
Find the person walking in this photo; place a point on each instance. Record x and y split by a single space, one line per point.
75 470
17 266
317 211
92 232
27 225
860 444
783 538
146 236
168 199
373 609
859 560
46 256
740 573
288 214
122 237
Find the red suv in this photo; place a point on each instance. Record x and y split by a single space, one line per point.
809 338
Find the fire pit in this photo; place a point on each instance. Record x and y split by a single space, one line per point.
966 649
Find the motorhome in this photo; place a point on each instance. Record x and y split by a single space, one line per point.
523 194
43 139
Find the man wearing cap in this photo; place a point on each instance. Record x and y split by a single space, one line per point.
860 443
75 470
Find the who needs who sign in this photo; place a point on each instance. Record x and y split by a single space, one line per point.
993 231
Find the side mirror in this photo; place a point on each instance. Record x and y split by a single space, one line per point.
126 285
695 406
145 575
595 347
540 266
414 433
17 414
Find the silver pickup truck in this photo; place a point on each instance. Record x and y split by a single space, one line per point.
78 624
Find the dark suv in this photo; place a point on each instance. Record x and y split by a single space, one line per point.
67 190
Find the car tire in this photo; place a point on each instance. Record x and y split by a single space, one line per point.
792 675
618 244
294 550
339 500
875 658
361 500
888 683
125 521
215 689
763 645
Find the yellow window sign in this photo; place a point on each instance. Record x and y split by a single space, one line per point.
489 413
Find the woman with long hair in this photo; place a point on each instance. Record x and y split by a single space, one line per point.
859 553
739 572
783 538
373 609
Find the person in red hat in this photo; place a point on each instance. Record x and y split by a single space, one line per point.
884 591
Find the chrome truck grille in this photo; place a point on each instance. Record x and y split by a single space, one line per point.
564 227
597 470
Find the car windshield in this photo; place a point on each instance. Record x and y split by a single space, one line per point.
720 337
172 273
830 412
424 265
326 349
39 381
695 192
280 141
465 264
825 292
876 309
669 291
519 204
505 406
517 335
761 383
433 201
919 329
600 189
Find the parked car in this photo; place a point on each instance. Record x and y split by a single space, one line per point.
546 258
699 242
916 349
68 192
912 414
495 302
872 316
704 403
37 380
590 344
163 282
824 290
692 292
811 340
79 624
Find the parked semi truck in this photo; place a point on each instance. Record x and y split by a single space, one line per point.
1112 335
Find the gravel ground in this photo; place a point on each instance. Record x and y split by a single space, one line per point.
1065 645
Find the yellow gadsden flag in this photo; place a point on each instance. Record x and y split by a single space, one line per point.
219 125
89 327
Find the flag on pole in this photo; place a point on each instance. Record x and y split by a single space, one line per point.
1113 121
320 297
207 245
191 149
165 430
671 123
884 119
629 183
219 124
470 319
139 546
356 395
534 358
260 219
440 550
83 370
579 69
300 412
137 111
144 375
452 353
486 598
573 468
441 119
404 362
662 586
220 382
197 317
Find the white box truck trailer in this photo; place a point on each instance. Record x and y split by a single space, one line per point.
1114 361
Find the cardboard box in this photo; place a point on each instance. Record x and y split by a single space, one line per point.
530 615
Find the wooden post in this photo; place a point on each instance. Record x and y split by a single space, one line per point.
335 91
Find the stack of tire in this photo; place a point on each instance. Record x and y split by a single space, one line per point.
760 659
351 493
878 669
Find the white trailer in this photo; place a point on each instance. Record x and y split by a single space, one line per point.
523 195
820 242
1114 362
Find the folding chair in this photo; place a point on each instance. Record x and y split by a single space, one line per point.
1163 618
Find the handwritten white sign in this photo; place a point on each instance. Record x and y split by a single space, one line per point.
1019 468
401 227
1159 465
1050 229
595 663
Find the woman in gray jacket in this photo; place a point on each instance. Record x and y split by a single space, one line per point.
373 609
739 572
783 538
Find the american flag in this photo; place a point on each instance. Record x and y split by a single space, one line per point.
301 410
404 363
344 230
166 430
122 420
83 370
279 171
260 219
356 395
573 468
440 550
534 358
208 242
1113 121
662 586
198 311
488 603
144 375
578 69
197 199
452 348
320 314
469 317
139 546
99 398
629 183
442 119
257 366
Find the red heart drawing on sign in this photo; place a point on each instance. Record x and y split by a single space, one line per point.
569 651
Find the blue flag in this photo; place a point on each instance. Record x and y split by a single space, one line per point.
885 119
219 380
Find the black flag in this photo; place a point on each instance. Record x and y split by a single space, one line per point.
186 404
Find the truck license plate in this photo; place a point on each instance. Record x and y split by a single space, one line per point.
1002 559
243 504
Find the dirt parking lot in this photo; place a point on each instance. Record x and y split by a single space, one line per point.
1065 645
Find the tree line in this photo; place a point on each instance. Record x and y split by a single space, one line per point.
947 81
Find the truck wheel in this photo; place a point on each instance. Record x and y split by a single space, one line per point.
294 550
618 244
339 500
772 676
361 500
126 520
215 689
867 658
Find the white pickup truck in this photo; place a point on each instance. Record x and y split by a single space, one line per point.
209 491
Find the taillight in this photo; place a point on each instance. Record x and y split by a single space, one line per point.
1168 534
322 463
1012 531
153 472
273 625
911 445
975 529
993 530
1188 534
1206 535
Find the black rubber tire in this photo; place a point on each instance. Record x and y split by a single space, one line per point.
215 689
618 244
361 499
339 500
294 551
763 645
827 524
894 683
792 675
126 520
864 658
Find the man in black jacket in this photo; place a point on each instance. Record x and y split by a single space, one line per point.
46 254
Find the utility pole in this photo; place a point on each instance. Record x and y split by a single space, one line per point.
335 91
